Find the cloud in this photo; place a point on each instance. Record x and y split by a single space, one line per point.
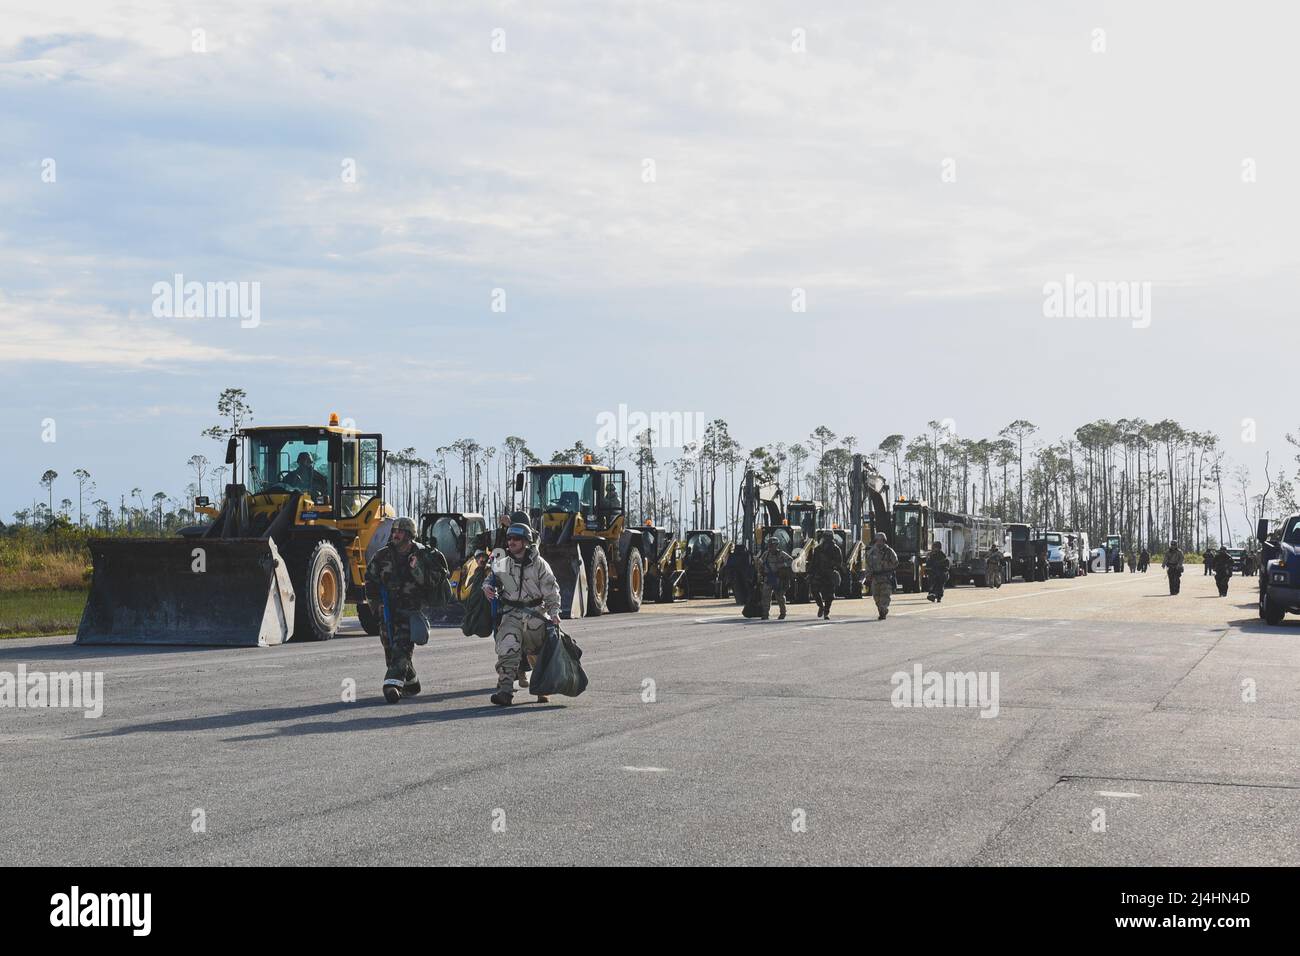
57 329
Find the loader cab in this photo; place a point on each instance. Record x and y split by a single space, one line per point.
703 545
597 493
455 534
807 515
789 538
913 527
339 468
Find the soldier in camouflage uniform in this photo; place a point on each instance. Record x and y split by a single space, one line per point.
774 569
522 580
1222 562
1173 565
936 570
882 560
408 572
824 566
993 567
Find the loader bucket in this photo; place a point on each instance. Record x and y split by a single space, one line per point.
231 592
571 575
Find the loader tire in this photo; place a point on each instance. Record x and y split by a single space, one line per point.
632 586
597 583
369 620
322 592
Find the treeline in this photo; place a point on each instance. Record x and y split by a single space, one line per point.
1149 482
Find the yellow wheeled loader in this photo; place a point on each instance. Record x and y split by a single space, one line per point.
280 558
457 534
578 514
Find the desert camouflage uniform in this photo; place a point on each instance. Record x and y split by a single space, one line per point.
777 563
525 590
993 567
881 562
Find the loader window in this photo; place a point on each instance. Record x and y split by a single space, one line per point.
446 534
907 530
563 491
699 544
361 482
288 462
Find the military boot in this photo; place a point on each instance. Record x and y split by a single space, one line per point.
502 699
393 689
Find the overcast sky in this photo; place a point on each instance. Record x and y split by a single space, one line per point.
920 170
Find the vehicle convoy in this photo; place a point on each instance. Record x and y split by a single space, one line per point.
704 557
578 513
1279 574
280 558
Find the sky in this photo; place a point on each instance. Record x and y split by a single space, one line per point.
500 219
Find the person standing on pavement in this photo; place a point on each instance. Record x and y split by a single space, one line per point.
936 570
1222 570
1173 565
522 580
882 561
824 572
774 570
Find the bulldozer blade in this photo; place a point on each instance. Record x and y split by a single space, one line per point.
571 575
202 591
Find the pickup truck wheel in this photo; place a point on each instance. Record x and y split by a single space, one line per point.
1273 612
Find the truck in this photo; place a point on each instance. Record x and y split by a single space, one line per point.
1062 555
966 540
1279 576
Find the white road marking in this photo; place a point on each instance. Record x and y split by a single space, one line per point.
1116 793
647 769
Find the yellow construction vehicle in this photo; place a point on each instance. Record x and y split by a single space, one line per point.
706 555
665 572
457 535
578 513
280 558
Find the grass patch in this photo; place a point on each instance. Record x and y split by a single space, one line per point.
42 612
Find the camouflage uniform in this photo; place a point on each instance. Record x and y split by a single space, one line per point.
826 560
993 567
881 562
936 569
409 589
777 564
525 590
1173 565
1222 570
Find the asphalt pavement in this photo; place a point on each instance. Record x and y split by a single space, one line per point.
1092 721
